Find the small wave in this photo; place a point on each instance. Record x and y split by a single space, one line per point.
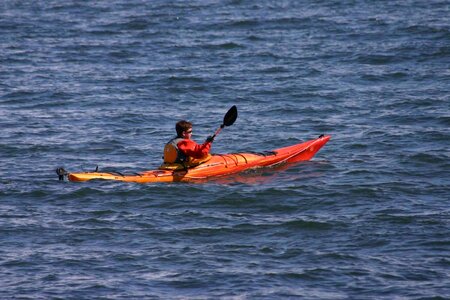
138 24
427 29
308 225
443 244
397 219
444 120
376 59
358 146
428 158
206 232
274 70
188 79
255 38
224 46
306 274
242 23
122 54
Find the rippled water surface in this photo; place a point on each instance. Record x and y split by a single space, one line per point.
87 83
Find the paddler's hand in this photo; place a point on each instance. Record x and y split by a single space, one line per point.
210 139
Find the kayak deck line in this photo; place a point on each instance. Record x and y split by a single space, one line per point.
233 157
219 165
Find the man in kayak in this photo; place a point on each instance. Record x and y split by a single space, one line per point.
182 152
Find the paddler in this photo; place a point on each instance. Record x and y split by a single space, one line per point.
182 152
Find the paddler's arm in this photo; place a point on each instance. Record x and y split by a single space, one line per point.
191 148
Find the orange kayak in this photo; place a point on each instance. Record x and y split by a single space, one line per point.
218 165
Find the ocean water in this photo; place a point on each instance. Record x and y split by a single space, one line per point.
102 83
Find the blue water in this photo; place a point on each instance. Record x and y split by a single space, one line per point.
87 83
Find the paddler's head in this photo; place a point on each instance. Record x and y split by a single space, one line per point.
184 129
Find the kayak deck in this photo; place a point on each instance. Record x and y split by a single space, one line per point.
218 165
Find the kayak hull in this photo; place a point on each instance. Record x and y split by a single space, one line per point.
218 165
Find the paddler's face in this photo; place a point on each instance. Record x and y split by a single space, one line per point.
187 134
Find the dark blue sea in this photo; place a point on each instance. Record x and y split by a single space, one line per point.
102 83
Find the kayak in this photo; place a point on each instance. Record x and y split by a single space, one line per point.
218 165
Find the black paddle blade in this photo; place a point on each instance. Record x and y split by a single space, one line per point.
231 116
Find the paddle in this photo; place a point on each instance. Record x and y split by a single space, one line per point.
228 120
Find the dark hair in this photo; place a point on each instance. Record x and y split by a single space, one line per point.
182 126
